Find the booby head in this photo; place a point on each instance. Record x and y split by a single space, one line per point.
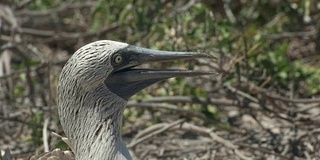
94 87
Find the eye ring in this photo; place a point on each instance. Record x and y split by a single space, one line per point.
118 59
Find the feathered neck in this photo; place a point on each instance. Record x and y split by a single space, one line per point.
92 120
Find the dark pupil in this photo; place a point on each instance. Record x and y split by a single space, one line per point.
118 59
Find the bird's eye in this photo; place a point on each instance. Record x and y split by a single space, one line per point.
118 59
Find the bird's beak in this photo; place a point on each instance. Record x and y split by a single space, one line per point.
125 81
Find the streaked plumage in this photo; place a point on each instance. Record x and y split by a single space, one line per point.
94 87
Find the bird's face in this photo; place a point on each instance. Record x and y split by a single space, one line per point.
112 63
126 81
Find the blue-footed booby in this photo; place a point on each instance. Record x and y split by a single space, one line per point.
94 87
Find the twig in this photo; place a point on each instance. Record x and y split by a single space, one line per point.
296 100
64 139
45 135
188 99
185 7
291 35
243 94
228 11
168 107
265 150
68 35
164 128
70 5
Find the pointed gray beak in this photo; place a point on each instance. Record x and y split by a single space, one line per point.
135 56
125 81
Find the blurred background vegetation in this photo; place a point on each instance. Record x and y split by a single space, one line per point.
264 99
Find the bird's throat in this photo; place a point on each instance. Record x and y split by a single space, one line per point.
104 141
96 123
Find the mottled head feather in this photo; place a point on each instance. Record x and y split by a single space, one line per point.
91 64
